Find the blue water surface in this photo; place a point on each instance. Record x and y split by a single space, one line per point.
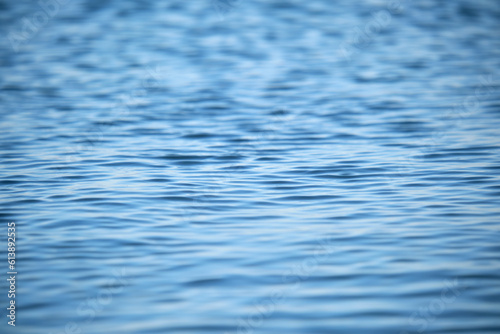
251 166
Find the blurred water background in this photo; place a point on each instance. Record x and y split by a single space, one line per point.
278 166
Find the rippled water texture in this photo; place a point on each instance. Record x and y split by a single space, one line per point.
279 166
